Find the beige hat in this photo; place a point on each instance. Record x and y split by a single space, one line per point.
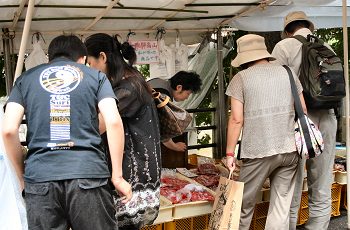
297 16
250 47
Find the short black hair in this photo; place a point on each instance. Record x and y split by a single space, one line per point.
188 80
293 26
68 46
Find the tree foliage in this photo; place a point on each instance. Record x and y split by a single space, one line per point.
334 37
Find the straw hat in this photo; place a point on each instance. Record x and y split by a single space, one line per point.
297 16
250 47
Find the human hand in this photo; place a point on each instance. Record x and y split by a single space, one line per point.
123 187
180 146
231 163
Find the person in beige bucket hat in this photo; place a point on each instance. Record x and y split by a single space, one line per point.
262 100
319 170
250 47
298 17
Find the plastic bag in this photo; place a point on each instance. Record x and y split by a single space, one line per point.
36 57
12 212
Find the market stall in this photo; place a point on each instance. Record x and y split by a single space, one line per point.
187 19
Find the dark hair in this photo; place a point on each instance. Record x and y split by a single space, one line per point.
293 26
188 80
117 67
68 46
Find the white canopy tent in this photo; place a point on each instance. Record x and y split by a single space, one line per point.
186 18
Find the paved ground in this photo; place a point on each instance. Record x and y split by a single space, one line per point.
337 223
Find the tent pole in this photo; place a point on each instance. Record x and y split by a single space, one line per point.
7 59
346 76
25 35
221 105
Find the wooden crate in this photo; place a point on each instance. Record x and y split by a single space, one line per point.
259 216
165 211
303 214
153 227
336 197
304 205
192 223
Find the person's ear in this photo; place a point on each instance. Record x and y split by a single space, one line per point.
103 57
82 60
179 88
288 35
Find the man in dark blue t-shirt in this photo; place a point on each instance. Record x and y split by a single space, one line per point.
66 174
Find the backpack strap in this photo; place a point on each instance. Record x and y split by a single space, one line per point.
309 38
300 38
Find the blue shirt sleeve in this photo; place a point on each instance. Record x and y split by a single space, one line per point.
105 89
16 94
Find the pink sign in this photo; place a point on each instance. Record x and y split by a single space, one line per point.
147 51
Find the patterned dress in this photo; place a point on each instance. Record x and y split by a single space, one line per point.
141 160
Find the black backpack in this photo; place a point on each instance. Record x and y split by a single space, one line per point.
321 74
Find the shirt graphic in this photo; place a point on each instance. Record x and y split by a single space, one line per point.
60 117
60 80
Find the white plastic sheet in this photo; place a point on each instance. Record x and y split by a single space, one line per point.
12 211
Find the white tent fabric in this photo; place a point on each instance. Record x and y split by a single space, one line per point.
178 17
324 14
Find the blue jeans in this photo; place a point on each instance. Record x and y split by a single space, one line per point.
79 204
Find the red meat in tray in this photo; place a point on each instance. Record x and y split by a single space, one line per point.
208 180
208 168
199 196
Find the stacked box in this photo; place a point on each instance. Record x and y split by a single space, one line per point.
259 216
193 223
336 197
303 214
304 207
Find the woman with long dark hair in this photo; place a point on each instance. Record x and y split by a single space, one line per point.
141 161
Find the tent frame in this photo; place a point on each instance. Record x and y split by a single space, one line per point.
222 111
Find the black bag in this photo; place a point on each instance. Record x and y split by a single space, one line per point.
173 120
321 74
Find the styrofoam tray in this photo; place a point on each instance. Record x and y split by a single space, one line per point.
192 209
340 177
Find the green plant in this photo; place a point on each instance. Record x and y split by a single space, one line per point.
144 70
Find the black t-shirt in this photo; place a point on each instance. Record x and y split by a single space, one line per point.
60 100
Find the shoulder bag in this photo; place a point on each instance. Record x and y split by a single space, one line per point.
173 120
308 138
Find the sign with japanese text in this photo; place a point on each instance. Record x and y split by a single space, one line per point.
147 52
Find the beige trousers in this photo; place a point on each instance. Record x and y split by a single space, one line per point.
319 176
281 169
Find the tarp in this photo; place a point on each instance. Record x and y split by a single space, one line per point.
190 17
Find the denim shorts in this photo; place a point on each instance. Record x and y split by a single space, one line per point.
80 204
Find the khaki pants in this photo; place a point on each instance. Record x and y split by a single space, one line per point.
281 169
319 176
